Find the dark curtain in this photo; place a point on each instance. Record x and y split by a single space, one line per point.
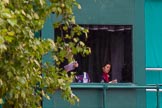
114 46
117 54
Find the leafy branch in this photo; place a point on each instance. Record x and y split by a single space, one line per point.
24 79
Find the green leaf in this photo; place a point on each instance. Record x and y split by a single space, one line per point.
65 28
1 40
8 38
6 1
16 96
75 40
22 80
37 63
23 95
1 82
6 13
79 6
13 22
11 33
29 16
41 2
3 47
9 74
36 16
2 21
59 10
1 101
81 43
22 11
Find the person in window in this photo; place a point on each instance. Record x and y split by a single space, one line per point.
105 74
71 64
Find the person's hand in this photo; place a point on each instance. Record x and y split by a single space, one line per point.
75 64
114 81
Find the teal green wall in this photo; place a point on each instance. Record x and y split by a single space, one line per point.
153 22
92 98
46 33
105 12
89 98
139 43
110 12
139 51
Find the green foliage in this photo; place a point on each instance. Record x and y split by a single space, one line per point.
24 79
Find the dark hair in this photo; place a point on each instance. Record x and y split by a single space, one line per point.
105 63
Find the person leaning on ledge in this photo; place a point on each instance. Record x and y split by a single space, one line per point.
105 74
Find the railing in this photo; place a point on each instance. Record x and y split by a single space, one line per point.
153 69
157 90
136 87
105 86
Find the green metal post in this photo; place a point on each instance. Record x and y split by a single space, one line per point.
104 96
158 97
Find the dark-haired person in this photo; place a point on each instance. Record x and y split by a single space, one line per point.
105 74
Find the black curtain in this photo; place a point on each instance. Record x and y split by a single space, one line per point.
112 45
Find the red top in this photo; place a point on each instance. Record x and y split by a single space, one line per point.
105 77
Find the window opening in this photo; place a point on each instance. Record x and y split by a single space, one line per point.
108 43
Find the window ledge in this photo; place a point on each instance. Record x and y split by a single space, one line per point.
111 86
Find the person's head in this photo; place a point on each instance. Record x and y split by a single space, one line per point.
106 68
